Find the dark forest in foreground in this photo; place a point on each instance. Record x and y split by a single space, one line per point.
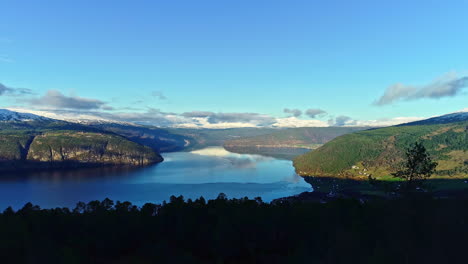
416 230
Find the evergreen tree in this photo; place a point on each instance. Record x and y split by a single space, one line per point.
418 167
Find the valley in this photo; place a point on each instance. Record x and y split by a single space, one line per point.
288 143
355 153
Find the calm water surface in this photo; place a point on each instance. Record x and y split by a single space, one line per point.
205 172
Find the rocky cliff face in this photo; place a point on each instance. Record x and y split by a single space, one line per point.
13 146
72 148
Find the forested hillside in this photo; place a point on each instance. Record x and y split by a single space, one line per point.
379 152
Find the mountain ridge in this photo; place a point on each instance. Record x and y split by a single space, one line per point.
8 115
458 116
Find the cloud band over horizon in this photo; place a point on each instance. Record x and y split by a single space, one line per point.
55 104
9 91
446 86
56 99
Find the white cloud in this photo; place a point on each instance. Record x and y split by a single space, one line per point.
383 122
314 112
296 122
57 100
202 122
448 85
9 91
158 118
293 112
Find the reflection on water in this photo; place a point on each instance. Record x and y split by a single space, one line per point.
241 161
205 172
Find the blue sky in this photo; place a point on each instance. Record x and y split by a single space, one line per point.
237 57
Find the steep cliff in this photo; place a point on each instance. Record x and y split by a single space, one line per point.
85 147
29 141
71 149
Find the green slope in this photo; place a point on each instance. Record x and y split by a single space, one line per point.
380 151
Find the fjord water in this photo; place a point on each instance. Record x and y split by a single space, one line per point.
205 172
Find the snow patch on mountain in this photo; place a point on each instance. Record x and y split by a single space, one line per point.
79 118
458 116
461 115
7 115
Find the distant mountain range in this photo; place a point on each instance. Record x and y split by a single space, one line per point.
291 138
379 152
205 137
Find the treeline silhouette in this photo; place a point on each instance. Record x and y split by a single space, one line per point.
405 230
